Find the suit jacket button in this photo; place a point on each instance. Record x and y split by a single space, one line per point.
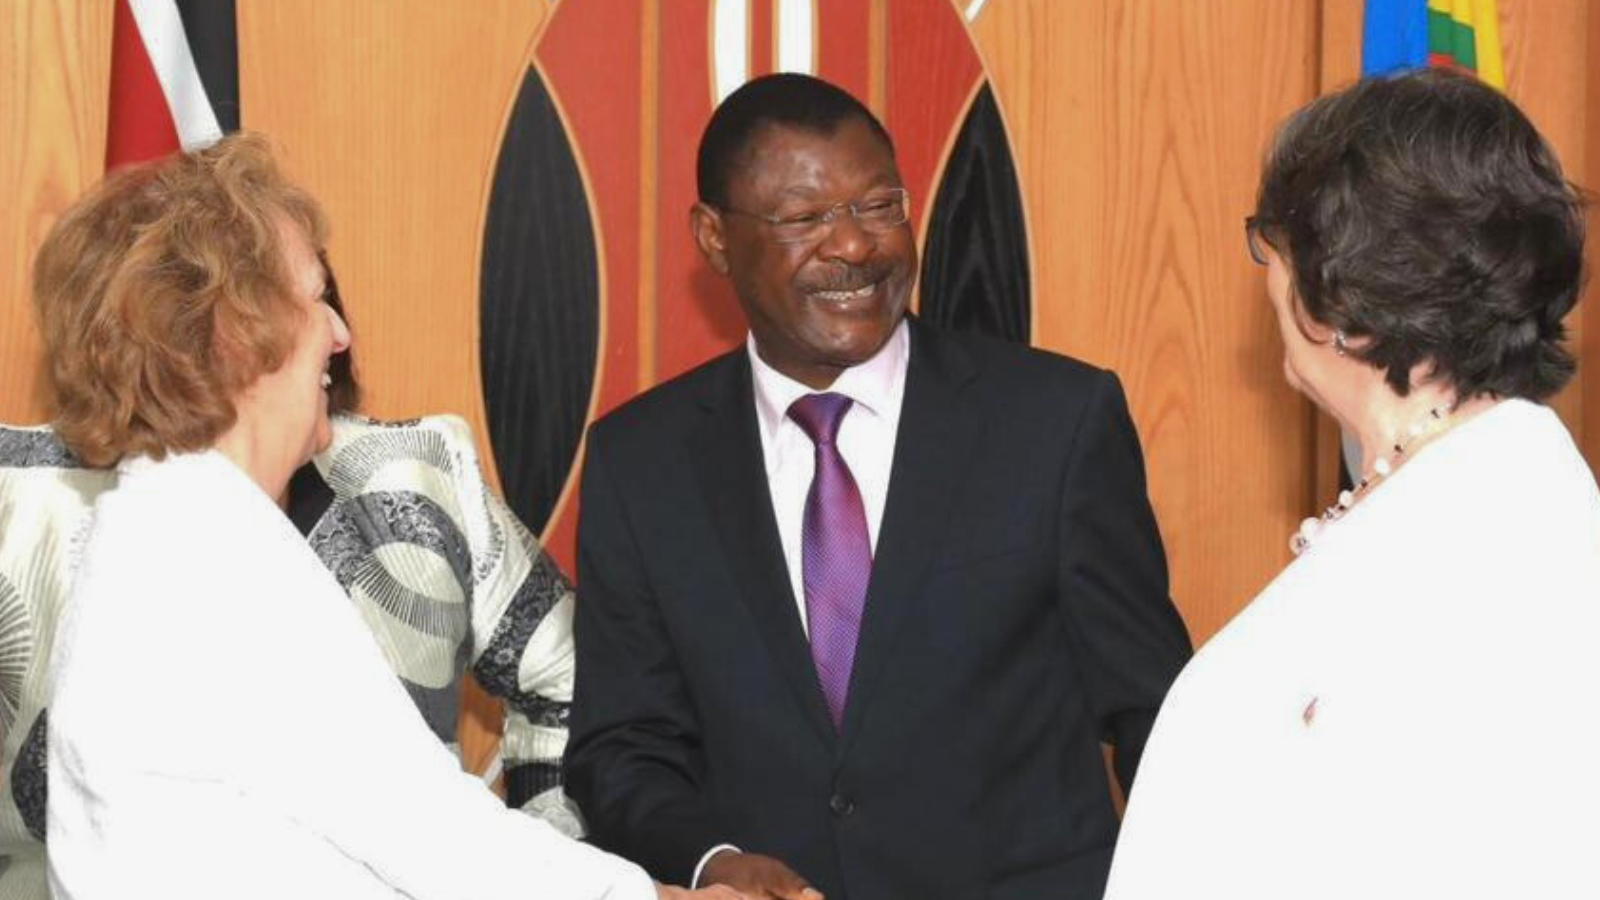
841 805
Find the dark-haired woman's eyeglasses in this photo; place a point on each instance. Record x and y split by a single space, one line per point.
1254 240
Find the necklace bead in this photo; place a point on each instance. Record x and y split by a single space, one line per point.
1309 530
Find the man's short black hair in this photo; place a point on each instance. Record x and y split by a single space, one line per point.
785 99
1424 212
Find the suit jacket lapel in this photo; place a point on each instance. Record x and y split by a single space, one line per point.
934 441
733 478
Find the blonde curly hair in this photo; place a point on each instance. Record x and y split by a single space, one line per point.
162 294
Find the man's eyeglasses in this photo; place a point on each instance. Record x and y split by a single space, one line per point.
1255 240
881 212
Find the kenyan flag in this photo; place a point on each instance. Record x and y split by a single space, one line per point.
174 78
1410 34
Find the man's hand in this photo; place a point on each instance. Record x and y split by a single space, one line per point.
757 876
715 892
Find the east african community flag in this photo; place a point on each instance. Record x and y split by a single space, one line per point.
1410 34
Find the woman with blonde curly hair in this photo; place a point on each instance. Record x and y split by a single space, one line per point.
223 723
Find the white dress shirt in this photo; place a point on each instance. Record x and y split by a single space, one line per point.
1408 710
866 441
224 725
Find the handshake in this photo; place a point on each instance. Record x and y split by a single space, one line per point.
732 875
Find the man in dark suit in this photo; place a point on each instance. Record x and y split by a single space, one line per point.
859 601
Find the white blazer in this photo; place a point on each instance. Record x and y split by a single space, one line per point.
1410 709
225 725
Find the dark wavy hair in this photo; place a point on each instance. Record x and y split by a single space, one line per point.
1424 212
344 394
785 99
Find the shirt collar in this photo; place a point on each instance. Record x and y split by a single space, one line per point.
876 385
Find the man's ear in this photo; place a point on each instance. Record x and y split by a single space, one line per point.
705 223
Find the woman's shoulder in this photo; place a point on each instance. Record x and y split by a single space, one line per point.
429 437
1535 444
187 497
434 459
1511 486
190 533
1503 453
436 455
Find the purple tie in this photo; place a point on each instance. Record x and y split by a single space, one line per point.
835 553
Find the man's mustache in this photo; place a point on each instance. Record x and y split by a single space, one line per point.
844 277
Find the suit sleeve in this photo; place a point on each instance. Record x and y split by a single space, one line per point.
1113 579
634 762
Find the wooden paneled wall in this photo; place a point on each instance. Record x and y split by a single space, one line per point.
1138 127
55 59
393 120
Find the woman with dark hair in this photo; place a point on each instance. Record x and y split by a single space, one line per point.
1407 710
224 722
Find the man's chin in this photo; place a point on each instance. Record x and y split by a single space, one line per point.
858 348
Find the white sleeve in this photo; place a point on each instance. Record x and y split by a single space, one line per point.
360 768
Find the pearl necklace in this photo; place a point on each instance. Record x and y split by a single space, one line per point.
1436 421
